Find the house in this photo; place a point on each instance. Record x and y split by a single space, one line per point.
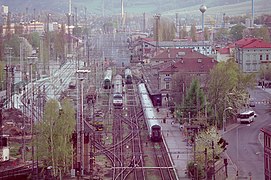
225 53
251 53
146 48
267 151
175 78
203 47
174 54
168 78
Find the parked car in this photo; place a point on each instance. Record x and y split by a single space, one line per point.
252 103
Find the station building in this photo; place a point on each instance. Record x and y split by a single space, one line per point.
267 151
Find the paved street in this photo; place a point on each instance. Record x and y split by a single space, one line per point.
245 147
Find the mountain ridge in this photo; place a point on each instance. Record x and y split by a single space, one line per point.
167 7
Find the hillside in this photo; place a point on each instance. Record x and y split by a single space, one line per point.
165 7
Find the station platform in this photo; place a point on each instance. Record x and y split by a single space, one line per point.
176 143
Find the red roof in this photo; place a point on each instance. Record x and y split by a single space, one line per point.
224 50
258 44
191 65
244 41
252 43
179 52
231 46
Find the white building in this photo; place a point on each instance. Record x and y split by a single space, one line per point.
251 53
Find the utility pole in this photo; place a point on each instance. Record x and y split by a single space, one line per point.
213 147
177 26
157 23
48 39
34 19
75 9
32 117
81 75
144 22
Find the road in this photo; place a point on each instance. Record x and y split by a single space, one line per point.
244 149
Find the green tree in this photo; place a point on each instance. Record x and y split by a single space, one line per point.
18 29
193 32
228 87
236 32
194 100
34 39
222 34
77 31
183 32
262 32
53 135
168 29
204 140
206 34
264 72
1 44
59 42
14 43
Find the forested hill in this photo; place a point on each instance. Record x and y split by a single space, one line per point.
135 6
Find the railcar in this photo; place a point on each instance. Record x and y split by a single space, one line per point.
152 121
99 120
107 79
117 92
72 84
128 76
91 94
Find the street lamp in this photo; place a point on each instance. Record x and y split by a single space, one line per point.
224 118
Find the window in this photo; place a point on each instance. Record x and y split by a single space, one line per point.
267 56
254 67
167 85
266 161
248 67
167 75
261 57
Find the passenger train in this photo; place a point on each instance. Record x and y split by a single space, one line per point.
107 79
153 123
117 92
128 76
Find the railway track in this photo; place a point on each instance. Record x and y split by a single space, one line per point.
126 153
162 161
135 115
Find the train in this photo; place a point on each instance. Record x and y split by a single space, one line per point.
98 120
91 94
107 79
72 83
117 92
128 76
152 121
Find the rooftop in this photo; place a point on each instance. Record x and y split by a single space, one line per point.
178 53
252 43
267 129
191 65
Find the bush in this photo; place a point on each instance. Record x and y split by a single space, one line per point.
195 171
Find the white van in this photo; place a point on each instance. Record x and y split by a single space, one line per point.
246 117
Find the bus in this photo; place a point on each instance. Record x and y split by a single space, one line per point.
246 117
